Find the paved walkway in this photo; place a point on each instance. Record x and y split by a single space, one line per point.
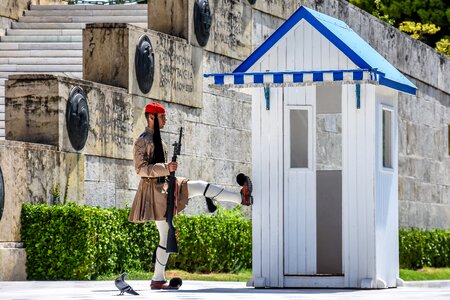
98 290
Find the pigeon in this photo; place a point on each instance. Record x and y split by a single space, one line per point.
123 286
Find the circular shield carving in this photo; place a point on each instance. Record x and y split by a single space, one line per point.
202 21
144 64
77 118
252 2
2 194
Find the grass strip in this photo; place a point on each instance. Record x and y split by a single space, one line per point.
245 275
242 276
425 274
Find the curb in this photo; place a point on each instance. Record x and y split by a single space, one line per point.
427 283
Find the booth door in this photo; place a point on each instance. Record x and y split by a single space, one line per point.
313 181
299 183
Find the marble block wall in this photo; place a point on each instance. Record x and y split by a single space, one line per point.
216 141
109 57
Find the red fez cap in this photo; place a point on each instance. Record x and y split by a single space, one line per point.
154 108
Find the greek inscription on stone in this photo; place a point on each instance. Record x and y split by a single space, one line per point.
117 127
175 65
228 23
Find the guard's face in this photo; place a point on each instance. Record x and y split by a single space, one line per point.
161 120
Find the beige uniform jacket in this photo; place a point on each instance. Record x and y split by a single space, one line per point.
150 202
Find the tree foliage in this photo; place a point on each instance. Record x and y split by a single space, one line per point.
424 13
418 30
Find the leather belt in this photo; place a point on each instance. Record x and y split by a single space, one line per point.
161 179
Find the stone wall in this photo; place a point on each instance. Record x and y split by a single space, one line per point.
424 160
35 113
109 57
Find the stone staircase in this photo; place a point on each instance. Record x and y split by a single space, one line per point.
48 39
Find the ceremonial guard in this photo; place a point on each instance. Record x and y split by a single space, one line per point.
151 200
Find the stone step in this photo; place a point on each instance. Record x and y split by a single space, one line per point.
41 46
41 68
4 75
41 53
91 12
2 132
41 60
90 7
41 38
46 32
2 116
19 25
83 19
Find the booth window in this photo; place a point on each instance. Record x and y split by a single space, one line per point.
299 138
387 138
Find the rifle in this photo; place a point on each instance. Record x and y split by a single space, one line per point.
172 246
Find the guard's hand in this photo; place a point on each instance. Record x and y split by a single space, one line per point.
172 166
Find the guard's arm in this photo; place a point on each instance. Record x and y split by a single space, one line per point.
143 150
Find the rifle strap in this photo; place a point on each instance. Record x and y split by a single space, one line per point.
155 257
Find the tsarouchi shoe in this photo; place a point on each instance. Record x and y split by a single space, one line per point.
247 189
174 284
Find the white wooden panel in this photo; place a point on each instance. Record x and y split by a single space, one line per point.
257 100
277 58
312 51
327 60
358 185
279 196
296 208
300 202
361 180
311 237
265 183
291 58
387 192
307 47
368 95
346 235
349 188
316 54
298 51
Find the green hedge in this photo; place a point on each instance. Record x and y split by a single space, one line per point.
424 248
81 242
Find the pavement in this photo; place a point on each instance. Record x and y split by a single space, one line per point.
215 290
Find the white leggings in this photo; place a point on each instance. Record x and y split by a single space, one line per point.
195 188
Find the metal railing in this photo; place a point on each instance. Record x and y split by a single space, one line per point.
105 2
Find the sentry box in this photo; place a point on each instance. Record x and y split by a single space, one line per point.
325 156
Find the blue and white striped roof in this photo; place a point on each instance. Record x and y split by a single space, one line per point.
367 59
293 78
